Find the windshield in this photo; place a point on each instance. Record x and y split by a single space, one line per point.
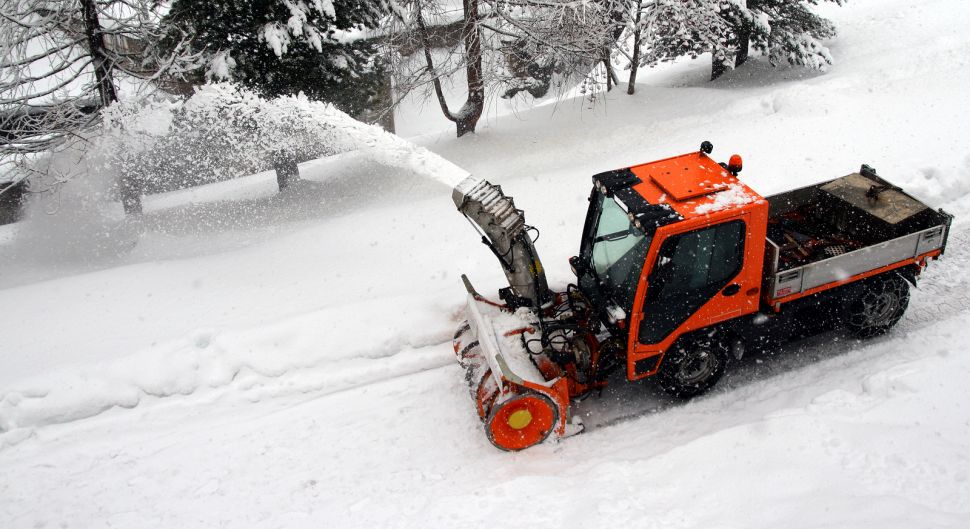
618 252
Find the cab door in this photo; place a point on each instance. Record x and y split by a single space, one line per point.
694 281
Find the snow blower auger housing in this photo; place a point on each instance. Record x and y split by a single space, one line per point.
681 269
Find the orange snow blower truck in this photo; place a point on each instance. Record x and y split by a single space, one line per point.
681 268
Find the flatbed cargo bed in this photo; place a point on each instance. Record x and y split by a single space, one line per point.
834 231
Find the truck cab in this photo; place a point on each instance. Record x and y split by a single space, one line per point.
671 247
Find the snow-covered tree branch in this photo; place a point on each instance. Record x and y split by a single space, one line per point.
503 46
63 61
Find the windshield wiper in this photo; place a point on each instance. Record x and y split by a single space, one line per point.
615 236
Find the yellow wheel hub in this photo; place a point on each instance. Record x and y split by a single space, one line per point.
519 419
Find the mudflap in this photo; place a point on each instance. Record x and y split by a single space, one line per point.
518 406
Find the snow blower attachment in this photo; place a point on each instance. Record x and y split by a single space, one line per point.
519 406
681 268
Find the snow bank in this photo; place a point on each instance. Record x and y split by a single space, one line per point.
279 358
872 436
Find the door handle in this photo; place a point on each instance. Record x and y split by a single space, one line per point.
731 289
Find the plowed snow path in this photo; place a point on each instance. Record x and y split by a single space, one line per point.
408 452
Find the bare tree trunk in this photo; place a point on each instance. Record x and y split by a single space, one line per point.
435 80
467 117
471 112
129 186
386 95
611 78
101 65
635 60
744 42
287 169
634 66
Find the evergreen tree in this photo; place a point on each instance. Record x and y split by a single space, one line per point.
281 47
686 27
665 30
784 30
793 31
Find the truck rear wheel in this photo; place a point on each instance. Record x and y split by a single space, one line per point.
879 304
692 367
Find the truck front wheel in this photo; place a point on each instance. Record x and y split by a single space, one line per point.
692 367
878 305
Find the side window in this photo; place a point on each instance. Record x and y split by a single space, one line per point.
691 268
728 254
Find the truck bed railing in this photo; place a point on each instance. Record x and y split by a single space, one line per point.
850 264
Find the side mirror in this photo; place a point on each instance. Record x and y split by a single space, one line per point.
577 266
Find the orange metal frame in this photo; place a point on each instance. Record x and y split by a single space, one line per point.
693 170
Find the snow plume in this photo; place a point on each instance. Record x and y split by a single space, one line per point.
161 144
224 131
69 215
221 132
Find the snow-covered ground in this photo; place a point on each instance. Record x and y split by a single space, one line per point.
261 360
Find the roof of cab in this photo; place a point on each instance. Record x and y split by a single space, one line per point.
692 184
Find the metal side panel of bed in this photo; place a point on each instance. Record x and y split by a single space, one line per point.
841 267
